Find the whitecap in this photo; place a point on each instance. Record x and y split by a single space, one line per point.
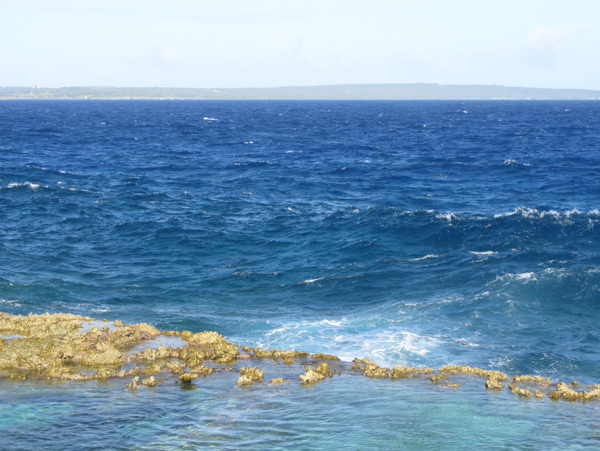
534 213
466 343
311 280
425 257
10 302
511 277
553 213
512 162
448 216
33 186
483 252
525 276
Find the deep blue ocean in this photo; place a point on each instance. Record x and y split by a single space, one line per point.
420 233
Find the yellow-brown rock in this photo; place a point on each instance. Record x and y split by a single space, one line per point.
535 379
133 384
249 375
316 374
149 382
493 384
400 371
55 346
187 377
106 355
464 369
310 376
325 356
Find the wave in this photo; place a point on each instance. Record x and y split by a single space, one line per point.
425 257
30 185
349 338
534 213
483 253
514 163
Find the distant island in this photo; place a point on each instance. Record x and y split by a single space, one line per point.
413 91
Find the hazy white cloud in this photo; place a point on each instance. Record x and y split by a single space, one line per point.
167 54
556 33
558 49
237 43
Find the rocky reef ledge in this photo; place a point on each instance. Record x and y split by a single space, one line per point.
73 347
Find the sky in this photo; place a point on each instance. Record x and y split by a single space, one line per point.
269 43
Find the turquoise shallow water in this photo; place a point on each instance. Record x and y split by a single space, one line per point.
416 233
349 412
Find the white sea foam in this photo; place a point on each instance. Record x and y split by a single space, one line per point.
425 257
513 163
10 302
500 362
33 186
534 213
466 343
448 216
383 341
311 280
524 277
483 253
210 119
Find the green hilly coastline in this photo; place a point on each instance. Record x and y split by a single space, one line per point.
415 91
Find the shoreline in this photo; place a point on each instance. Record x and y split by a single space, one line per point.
414 91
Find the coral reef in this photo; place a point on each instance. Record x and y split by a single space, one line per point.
79 348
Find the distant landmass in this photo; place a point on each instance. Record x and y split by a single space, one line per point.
414 91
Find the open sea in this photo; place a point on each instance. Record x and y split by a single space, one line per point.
420 233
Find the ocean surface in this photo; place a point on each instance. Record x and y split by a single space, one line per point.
421 233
